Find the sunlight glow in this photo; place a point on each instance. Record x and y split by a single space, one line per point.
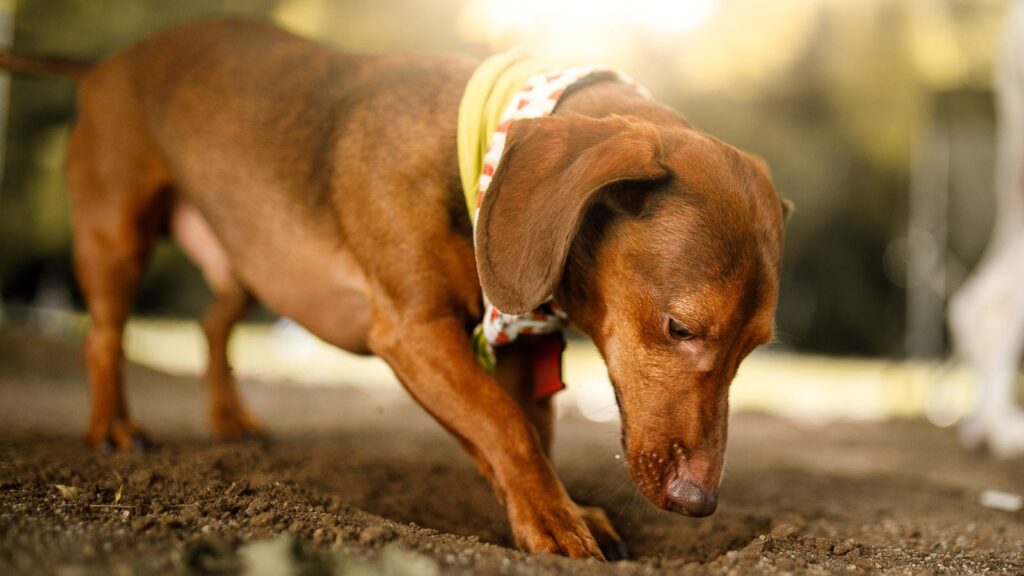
675 16
572 29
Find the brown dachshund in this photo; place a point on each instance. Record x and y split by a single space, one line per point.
327 186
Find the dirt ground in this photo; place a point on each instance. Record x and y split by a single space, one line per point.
360 481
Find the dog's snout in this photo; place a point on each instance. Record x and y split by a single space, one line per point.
688 498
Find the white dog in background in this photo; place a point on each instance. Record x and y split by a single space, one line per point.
987 315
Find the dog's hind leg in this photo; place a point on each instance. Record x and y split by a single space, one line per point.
117 215
229 418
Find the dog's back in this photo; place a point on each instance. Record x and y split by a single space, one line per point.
207 98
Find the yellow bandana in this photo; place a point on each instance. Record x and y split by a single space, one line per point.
488 93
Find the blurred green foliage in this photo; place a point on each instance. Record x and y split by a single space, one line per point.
835 95
34 227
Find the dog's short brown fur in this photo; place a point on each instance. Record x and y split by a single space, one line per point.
326 185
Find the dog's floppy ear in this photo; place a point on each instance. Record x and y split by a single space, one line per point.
550 170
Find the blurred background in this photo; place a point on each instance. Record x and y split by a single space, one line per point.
875 116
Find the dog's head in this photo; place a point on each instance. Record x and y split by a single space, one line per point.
664 245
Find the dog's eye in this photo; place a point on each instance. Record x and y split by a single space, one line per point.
677 331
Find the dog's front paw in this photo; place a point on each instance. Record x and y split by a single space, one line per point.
552 528
608 539
117 434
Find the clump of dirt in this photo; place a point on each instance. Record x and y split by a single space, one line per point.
360 481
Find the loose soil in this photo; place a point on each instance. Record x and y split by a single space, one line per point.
361 481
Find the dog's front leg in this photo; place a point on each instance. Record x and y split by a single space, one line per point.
515 374
431 355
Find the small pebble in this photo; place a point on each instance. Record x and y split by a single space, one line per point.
264 519
999 500
783 531
141 478
843 547
864 564
691 568
190 512
375 534
143 523
785 564
238 488
755 547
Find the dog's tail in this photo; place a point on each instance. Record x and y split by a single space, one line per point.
66 67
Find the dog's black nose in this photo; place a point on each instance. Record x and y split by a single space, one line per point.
687 498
